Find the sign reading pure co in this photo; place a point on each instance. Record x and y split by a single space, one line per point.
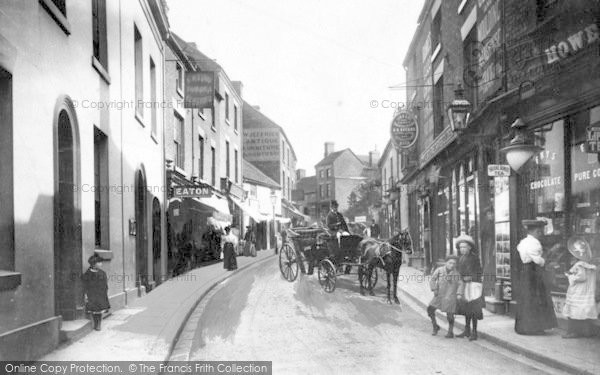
404 130
192 191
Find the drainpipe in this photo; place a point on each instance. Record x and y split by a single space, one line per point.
121 151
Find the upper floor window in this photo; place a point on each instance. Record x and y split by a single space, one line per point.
235 117
99 32
179 79
436 30
438 107
139 72
153 109
58 11
328 172
227 106
7 223
178 138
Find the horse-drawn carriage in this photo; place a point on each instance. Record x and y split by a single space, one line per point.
307 248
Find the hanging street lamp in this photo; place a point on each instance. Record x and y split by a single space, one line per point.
521 147
459 111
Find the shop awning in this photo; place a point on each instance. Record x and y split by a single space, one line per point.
218 204
253 213
294 211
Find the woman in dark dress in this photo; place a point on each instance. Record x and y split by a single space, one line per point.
95 288
230 243
535 311
470 296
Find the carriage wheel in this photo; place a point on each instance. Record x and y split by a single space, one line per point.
362 274
288 263
327 275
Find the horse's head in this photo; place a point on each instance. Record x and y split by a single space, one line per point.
403 241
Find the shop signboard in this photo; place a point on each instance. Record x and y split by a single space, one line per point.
499 170
592 141
404 130
261 144
192 191
199 89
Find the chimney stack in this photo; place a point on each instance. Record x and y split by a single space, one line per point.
374 158
257 107
237 85
329 148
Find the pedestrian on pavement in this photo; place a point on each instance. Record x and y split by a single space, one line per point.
250 242
230 243
470 290
535 311
444 285
95 289
580 306
375 230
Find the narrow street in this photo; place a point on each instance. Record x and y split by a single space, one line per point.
256 315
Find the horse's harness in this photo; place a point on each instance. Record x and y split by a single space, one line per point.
392 247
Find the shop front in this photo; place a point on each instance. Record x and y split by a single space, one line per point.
561 185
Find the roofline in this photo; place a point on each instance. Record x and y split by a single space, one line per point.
254 182
176 47
341 152
388 146
274 123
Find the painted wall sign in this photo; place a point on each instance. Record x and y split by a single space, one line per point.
404 130
199 90
592 141
192 191
441 141
262 144
498 170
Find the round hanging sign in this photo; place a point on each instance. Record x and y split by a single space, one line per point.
404 130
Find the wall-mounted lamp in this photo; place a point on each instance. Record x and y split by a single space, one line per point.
459 111
521 147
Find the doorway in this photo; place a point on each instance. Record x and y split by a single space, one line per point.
141 240
156 241
67 219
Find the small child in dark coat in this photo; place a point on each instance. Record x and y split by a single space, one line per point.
95 288
444 285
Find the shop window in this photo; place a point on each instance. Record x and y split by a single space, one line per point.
101 217
7 222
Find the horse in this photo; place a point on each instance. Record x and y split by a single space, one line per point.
385 255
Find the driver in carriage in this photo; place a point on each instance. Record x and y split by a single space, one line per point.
336 224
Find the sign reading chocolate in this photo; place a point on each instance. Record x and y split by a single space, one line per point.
545 183
404 130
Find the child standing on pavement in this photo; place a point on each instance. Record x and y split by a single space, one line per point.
95 288
444 284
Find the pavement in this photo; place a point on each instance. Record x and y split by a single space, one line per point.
576 356
149 328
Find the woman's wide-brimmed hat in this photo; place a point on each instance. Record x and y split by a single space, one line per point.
579 248
466 239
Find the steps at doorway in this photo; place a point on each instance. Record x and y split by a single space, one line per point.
71 330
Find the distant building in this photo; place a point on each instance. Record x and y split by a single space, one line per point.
305 194
338 174
268 148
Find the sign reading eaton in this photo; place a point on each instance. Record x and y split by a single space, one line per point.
404 130
192 191
499 170
199 90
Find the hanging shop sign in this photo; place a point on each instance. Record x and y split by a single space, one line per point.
404 130
192 191
592 141
499 170
199 90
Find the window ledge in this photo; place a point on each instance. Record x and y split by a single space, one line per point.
104 254
139 118
227 122
154 137
57 15
9 280
237 132
201 115
213 128
179 92
100 69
